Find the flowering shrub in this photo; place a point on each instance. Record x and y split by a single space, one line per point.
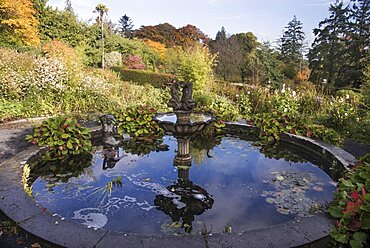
341 111
260 99
351 208
14 73
113 59
49 73
68 56
285 100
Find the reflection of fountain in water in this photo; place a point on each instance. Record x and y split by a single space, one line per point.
185 201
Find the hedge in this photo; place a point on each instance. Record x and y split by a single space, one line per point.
157 80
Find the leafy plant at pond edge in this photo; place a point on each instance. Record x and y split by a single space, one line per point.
351 208
224 109
62 136
138 121
272 124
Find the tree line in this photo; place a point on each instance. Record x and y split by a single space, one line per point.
338 57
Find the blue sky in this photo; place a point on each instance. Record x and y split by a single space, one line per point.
265 18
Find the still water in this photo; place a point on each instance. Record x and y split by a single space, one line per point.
231 187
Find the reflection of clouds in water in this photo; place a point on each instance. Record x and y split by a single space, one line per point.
223 211
159 189
91 217
116 203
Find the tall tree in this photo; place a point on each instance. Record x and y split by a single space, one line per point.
189 36
126 26
291 47
359 43
248 42
269 67
101 9
229 55
68 6
328 56
18 24
61 25
163 33
221 35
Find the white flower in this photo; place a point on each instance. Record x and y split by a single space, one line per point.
347 96
294 93
248 92
345 114
283 89
285 110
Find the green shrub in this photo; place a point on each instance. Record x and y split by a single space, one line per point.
195 65
9 110
244 105
157 80
224 109
62 136
351 208
260 99
350 95
341 112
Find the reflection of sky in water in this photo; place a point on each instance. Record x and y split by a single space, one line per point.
235 176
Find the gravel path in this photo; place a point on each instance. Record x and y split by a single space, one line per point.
12 140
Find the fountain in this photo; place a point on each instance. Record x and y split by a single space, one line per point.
182 123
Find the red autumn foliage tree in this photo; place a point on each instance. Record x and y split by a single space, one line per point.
134 62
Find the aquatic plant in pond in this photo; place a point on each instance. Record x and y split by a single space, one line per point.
62 136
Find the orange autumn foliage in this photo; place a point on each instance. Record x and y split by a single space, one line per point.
58 49
17 18
158 47
303 76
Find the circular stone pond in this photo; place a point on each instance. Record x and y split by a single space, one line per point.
235 191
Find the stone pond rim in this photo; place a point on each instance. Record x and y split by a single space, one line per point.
21 208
